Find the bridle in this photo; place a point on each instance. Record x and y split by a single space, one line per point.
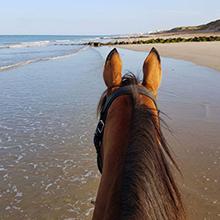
99 132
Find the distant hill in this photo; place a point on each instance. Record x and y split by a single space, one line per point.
213 26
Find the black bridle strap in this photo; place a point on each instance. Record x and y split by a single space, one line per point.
126 90
98 137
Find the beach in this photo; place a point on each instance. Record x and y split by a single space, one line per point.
60 65
201 53
48 117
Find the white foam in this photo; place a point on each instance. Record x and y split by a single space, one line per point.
23 63
14 188
26 44
19 157
49 185
89 211
2 169
7 208
88 173
19 194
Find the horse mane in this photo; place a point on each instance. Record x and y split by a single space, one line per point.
148 189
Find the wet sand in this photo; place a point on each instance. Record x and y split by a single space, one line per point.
47 119
201 53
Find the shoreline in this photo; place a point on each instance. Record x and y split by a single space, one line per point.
201 48
201 53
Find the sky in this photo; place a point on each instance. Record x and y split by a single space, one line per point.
95 17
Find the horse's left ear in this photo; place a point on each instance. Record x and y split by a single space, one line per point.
152 71
112 69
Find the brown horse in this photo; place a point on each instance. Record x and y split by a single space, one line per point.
137 181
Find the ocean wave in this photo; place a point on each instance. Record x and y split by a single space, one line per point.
65 42
26 44
74 42
35 60
46 43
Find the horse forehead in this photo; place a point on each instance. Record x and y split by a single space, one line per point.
121 105
125 100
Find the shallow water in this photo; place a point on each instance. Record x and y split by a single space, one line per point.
47 122
20 50
47 119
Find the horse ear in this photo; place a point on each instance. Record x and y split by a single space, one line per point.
152 71
112 69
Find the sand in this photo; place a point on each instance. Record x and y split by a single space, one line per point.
201 53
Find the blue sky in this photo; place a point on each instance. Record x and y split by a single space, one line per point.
102 17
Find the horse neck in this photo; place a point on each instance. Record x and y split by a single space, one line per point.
136 182
115 142
148 190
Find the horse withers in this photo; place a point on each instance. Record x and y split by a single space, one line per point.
134 159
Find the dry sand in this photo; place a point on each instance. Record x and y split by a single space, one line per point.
201 53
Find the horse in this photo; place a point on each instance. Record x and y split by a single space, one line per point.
136 164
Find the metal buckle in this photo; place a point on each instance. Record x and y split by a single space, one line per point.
100 126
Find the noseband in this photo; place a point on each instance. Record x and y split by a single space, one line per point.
99 132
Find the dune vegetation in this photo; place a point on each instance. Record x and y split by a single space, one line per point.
156 40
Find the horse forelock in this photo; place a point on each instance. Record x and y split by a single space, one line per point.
128 79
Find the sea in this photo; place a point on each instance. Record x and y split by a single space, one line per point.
49 90
19 50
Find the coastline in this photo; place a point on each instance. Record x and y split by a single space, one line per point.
201 53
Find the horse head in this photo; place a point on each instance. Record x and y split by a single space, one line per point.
133 156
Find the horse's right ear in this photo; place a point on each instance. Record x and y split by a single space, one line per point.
112 70
152 71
